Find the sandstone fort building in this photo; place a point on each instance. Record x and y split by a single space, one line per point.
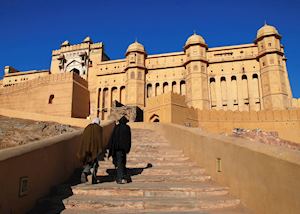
83 81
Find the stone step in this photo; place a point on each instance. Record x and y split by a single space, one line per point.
157 171
137 150
162 178
235 210
151 189
156 159
139 164
156 178
205 202
155 156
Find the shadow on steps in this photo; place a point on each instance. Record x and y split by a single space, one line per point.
53 202
111 174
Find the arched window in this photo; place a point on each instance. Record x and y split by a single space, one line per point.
51 97
149 90
122 95
74 70
182 87
139 75
255 91
234 92
114 93
212 80
174 87
245 92
132 76
157 92
212 87
98 101
165 87
224 91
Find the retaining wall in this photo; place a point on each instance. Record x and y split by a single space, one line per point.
265 177
43 163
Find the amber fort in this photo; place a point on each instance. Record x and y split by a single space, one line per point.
188 111
83 80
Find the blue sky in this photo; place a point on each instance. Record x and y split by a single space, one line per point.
31 29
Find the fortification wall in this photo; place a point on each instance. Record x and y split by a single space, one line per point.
53 94
264 177
171 108
285 122
296 102
44 164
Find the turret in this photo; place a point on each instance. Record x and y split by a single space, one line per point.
275 84
196 72
135 70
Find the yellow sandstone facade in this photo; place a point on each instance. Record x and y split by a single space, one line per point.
247 77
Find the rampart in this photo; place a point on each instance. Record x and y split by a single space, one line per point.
296 103
265 177
171 108
41 165
63 94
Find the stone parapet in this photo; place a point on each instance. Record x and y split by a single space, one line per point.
54 160
264 177
77 47
51 78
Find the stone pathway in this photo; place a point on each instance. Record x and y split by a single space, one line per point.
163 181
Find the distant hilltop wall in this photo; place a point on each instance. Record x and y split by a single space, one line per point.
171 108
63 94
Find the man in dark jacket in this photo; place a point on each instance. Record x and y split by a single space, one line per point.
120 145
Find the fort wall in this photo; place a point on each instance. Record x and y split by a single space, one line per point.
45 164
296 103
54 94
171 108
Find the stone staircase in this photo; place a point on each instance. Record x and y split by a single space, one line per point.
163 181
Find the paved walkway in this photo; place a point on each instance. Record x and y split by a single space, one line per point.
163 181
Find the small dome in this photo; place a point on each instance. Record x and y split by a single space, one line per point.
266 30
135 47
87 40
65 43
195 39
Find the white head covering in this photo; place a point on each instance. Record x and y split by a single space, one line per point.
96 120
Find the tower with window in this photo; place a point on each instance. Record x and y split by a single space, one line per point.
275 85
135 71
196 72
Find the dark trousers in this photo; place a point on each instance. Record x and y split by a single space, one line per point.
91 165
120 164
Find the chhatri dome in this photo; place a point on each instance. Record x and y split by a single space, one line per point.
87 40
195 39
136 47
65 43
267 30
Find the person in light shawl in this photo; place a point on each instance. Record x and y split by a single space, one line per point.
90 149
